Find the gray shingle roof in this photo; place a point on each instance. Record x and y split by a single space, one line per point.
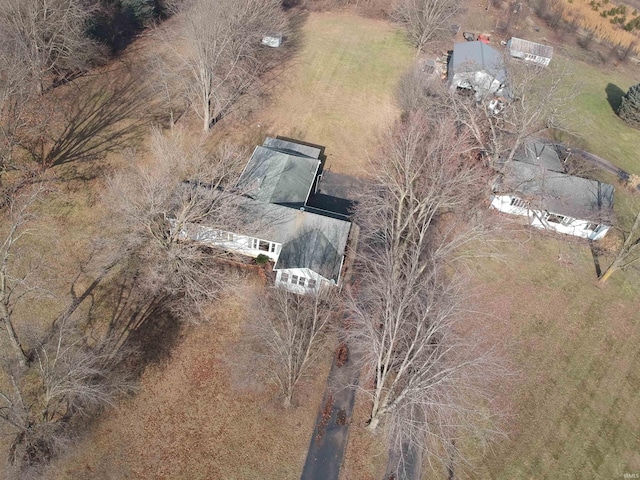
280 172
541 153
477 56
308 240
556 192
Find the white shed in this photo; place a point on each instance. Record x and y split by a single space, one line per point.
272 40
530 51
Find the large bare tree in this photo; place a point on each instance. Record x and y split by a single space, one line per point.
17 266
628 255
71 376
48 37
427 21
536 102
421 213
217 56
153 205
289 333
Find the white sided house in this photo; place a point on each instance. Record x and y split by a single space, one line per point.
478 67
530 51
553 200
307 248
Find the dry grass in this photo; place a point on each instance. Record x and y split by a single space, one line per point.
191 420
581 14
578 351
339 91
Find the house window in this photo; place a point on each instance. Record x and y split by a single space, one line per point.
272 247
254 244
312 283
516 202
552 217
263 246
301 281
294 279
284 277
567 221
591 226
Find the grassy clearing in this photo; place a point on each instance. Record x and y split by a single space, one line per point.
578 349
339 91
195 419
596 126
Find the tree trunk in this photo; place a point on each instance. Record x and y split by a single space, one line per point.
373 423
206 117
15 343
605 276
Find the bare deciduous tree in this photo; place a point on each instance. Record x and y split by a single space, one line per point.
629 253
153 206
14 95
217 56
289 332
423 208
15 275
68 378
48 37
539 100
427 20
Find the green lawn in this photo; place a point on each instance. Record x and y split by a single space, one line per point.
339 92
593 119
577 348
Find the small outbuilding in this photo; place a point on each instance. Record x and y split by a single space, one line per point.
530 51
272 40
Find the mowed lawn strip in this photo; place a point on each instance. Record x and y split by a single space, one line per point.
592 118
339 91
577 347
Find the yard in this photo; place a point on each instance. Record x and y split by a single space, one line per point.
197 417
193 417
339 92
592 119
577 350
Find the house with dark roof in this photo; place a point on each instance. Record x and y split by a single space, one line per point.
554 200
530 51
306 244
477 66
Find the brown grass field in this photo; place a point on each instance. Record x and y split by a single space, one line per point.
193 418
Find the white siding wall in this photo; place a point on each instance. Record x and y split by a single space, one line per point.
539 219
233 242
290 279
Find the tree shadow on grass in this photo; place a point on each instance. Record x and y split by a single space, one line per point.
614 96
88 120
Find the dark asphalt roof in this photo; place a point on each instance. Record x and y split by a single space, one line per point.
541 153
478 56
556 192
280 172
